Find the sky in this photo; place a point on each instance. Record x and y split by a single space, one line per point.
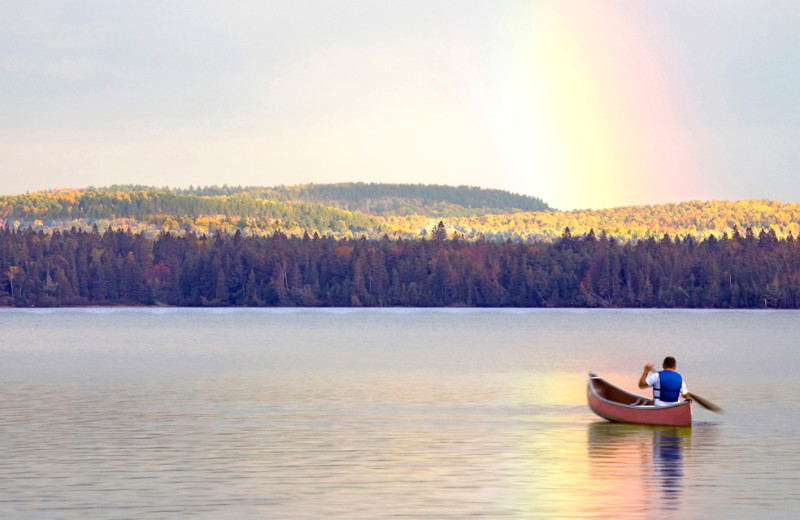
582 103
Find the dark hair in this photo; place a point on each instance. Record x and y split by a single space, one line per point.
669 362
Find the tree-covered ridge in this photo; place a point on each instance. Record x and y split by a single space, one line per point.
113 202
407 199
150 209
291 210
77 267
699 219
372 198
390 199
340 209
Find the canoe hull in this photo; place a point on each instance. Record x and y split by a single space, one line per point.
617 405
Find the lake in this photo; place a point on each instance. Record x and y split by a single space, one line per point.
399 413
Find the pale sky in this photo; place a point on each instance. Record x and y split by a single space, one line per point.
583 103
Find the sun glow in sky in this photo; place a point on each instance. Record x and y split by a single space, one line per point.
598 108
585 104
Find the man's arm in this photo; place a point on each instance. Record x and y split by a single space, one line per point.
642 380
685 391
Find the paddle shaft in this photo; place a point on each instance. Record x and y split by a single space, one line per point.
705 403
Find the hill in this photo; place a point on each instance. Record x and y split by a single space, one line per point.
337 209
390 199
374 210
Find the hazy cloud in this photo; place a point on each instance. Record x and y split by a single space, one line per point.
247 92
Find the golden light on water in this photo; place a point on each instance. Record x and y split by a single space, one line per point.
583 466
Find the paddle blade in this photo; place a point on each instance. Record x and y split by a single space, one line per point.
705 403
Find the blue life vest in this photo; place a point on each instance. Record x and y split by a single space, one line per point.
668 388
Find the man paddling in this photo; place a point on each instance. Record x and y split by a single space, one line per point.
668 385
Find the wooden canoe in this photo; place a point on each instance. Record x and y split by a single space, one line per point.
617 405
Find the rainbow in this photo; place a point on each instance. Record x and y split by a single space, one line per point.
596 112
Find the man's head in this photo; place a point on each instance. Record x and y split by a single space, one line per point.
669 363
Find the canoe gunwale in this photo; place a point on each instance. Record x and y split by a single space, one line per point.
635 406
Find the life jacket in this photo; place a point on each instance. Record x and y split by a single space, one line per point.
668 388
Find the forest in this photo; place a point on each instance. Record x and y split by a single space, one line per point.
78 267
353 210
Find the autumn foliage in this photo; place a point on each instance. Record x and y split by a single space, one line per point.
119 267
344 211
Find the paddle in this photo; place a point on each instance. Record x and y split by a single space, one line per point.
705 403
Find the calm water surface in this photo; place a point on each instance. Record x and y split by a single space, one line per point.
306 414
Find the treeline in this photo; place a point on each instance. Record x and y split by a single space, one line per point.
65 205
407 199
632 223
133 201
385 198
374 210
118 267
342 210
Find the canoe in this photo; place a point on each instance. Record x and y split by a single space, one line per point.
616 405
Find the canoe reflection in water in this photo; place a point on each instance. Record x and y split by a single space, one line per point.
649 458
